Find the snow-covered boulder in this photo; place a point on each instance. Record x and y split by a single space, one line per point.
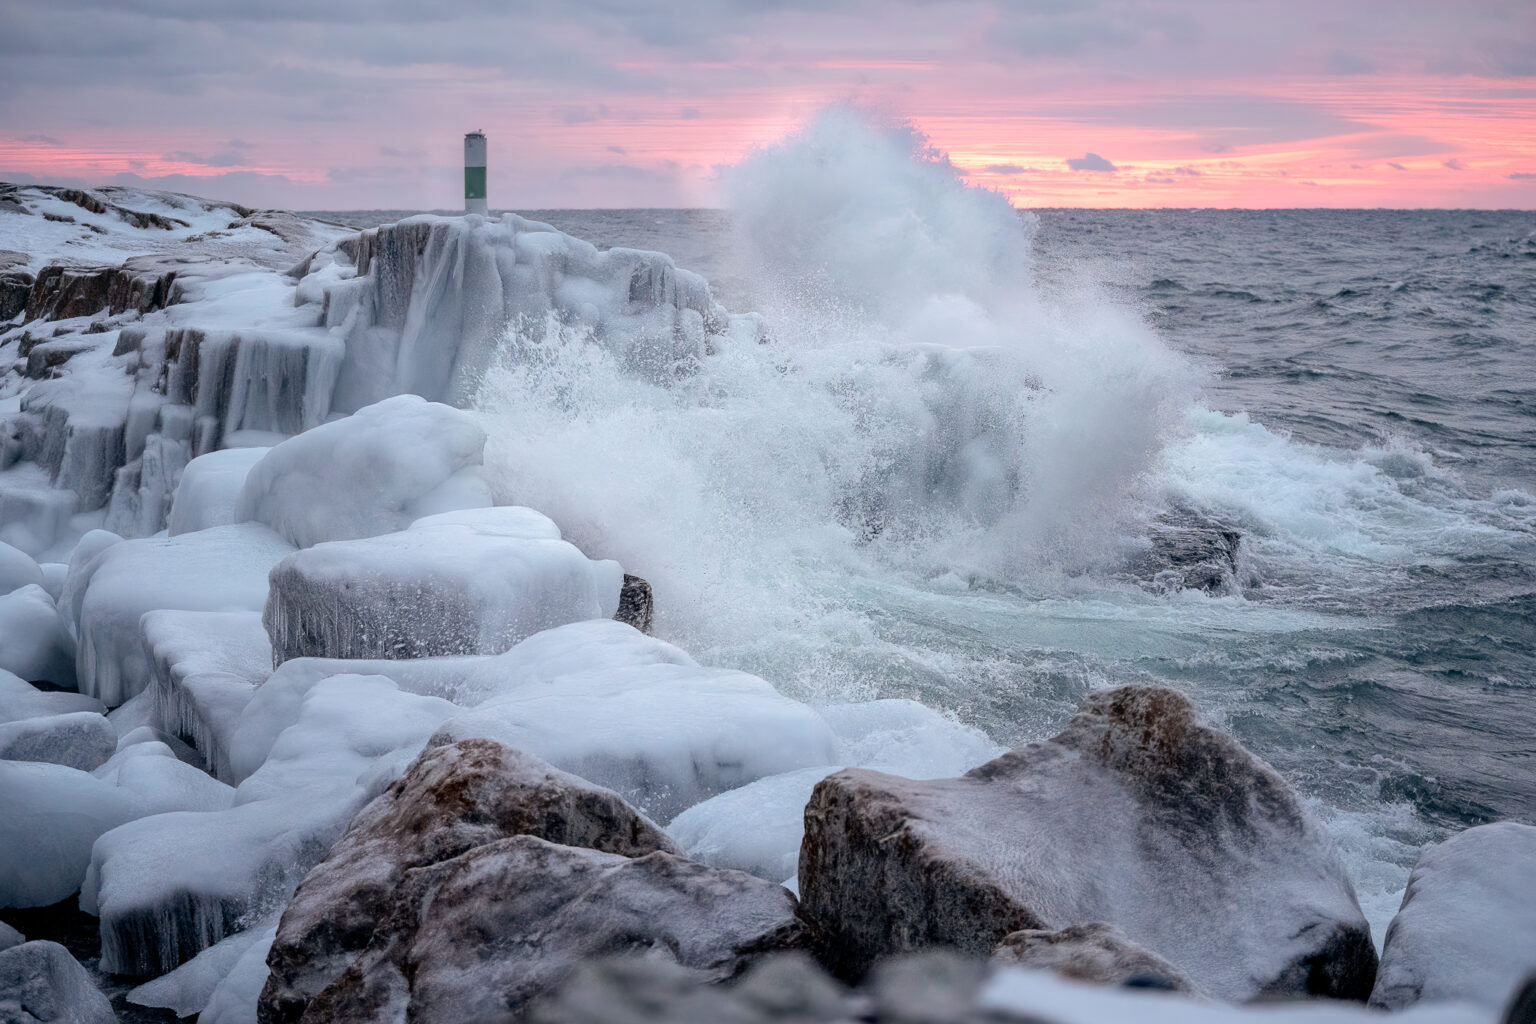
1097 953
467 582
33 641
205 667
216 570
40 982
446 950
452 799
10 936
351 737
208 491
1137 814
51 815
1467 927
373 472
79 739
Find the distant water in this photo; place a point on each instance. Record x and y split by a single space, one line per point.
1363 409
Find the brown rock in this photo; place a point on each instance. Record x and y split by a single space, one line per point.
1096 952
1137 814
452 799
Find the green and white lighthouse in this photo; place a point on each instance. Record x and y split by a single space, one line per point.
474 173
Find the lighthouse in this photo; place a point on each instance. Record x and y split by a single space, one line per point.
474 173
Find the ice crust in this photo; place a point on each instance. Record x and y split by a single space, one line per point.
216 570
17 569
187 990
455 583
80 739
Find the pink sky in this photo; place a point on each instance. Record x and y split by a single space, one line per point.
1154 103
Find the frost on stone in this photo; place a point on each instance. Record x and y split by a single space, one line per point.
33 641
469 582
209 489
79 739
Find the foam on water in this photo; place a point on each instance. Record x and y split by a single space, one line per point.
920 486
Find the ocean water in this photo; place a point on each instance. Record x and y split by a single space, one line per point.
928 482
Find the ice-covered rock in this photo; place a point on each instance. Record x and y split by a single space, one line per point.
221 569
445 950
1467 927
17 569
1137 814
452 799
370 473
205 667
235 1000
33 641
40 982
473 582
604 702
10 936
208 491
351 737
1095 952
78 739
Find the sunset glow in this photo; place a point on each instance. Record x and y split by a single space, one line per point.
1187 109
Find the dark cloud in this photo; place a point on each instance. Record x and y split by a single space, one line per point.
1188 172
584 115
1010 169
1396 167
619 150
690 114
41 140
1342 62
1090 162
1454 164
1521 176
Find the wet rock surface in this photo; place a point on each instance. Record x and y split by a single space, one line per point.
40 981
452 799
1137 814
1189 550
479 936
66 924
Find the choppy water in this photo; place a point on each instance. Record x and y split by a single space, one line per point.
1355 391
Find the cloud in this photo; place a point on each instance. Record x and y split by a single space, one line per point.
1521 176
622 172
690 114
1010 169
584 115
1188 172
1396 167
1341 62
1090 162
41 140
619 150
413 153
1454 164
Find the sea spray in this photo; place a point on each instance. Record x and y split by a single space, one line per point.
917 412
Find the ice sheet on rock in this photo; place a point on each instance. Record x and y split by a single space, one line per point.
17 569
543 658
209 489
10 936
50 816
156 780
474 582
220 569
186 991
33 641
664 737
20 699
53 575
205 666
756 828
370 473
80 739
904 737
234 1001
1467 928
352 736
